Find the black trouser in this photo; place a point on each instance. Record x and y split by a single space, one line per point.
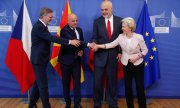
111 88
137 72
73 70
40 87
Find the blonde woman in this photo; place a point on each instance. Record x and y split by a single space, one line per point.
133 50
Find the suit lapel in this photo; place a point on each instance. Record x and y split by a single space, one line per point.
103 23
45 27
80 36
73 34
114 26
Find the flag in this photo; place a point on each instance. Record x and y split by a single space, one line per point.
19 49
91 65
144 27
56 47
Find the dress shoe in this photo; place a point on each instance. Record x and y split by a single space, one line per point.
78 106
34 106
68 106
110 106
97 106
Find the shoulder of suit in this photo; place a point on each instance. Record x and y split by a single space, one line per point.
121 35
117 17
38 24
99 18
66 27
138 35
78 28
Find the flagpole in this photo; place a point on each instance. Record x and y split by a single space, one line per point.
28 96
104 95
26 100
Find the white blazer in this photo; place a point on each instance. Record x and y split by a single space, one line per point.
130 49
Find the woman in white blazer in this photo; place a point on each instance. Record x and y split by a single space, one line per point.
133 50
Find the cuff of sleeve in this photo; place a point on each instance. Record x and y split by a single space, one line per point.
88 45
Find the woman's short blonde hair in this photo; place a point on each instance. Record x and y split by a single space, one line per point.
130 23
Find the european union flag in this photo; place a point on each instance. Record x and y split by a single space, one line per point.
162 22
144 27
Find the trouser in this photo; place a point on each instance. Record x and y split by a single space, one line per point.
111 88
40 87
73 70
137 72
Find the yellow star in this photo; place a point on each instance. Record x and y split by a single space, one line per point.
152 40
151 57
146 63
154 49
147 34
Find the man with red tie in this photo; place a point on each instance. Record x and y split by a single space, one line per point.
106 28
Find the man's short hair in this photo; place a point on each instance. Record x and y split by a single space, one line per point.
45 11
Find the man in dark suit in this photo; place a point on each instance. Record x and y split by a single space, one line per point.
106 29
70 61
40 53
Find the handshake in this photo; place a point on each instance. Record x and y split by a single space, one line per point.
77 43
93 46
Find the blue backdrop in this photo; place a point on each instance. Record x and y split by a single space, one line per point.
87 10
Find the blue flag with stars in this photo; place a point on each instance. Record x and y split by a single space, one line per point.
144 27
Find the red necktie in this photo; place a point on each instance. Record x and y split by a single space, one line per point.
109 29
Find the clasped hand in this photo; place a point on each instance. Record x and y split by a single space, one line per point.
94 47
75 42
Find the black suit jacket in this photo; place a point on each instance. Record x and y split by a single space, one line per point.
41 40
100 36
68 53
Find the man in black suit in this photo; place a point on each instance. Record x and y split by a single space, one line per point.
40 53
106 28
70 61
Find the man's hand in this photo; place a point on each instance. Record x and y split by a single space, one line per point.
119 57
80 53
74 42
95 48
91 45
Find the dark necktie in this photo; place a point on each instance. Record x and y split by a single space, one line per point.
109 29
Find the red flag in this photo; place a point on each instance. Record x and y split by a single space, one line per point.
56 47
91 65
18 52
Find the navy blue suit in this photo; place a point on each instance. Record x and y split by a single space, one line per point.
105 61
40 53
70 64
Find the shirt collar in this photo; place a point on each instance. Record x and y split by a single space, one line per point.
43 22
110 19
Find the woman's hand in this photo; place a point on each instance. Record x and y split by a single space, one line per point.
134 58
